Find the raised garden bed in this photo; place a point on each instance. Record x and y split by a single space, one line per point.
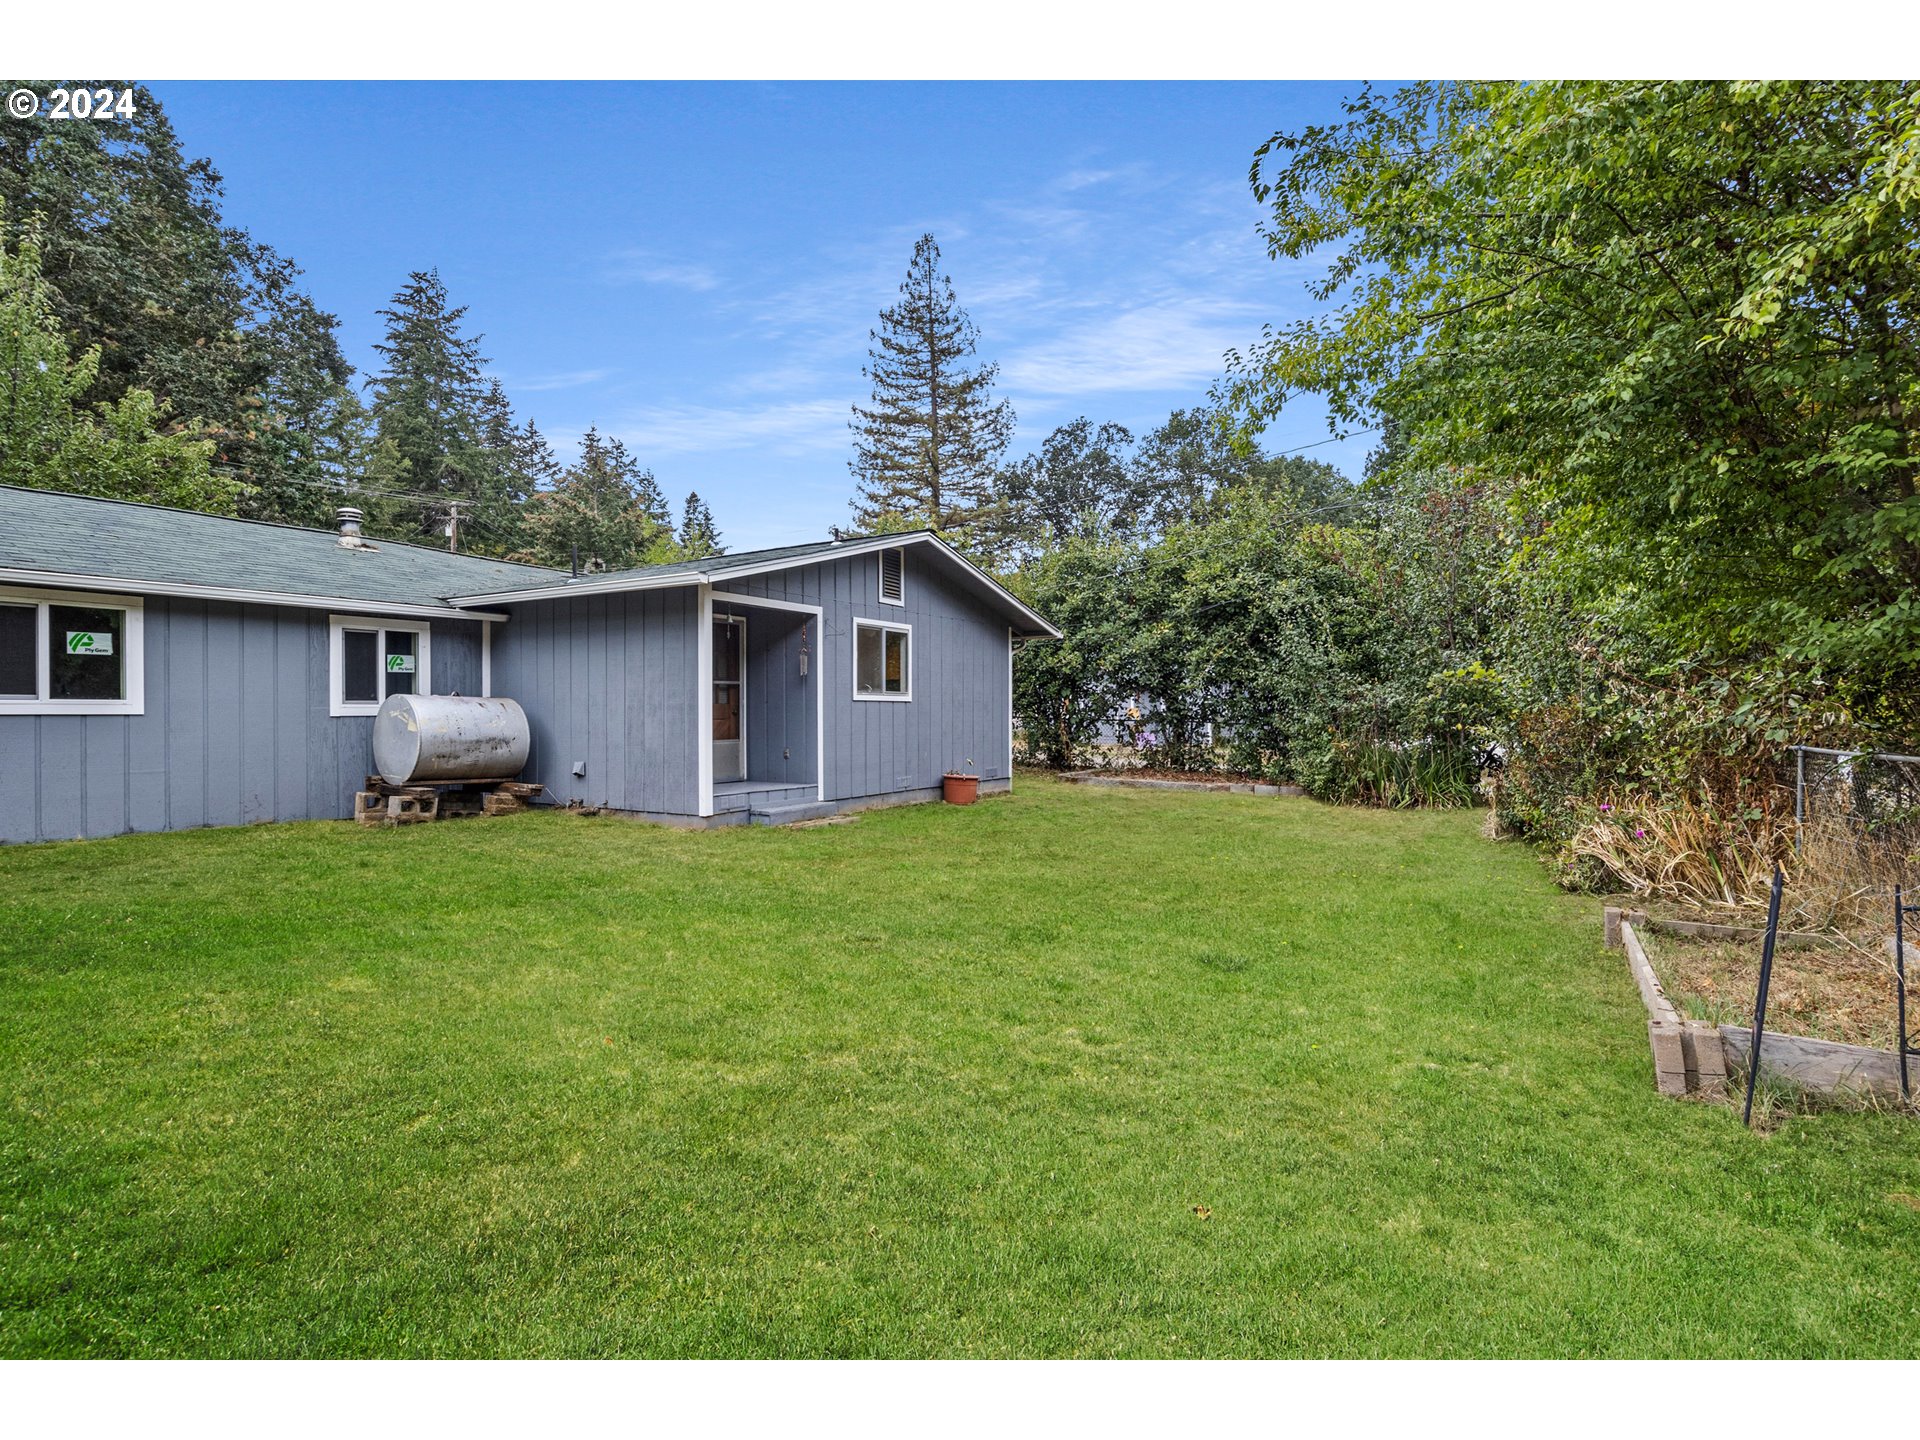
1831 1020
1145 779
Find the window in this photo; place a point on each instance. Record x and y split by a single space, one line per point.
369 660
893 585
67 654
882 660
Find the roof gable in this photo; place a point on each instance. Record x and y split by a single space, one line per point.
717 569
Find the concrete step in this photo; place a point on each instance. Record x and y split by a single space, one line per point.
788 814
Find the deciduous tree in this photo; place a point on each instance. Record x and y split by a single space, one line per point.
1678 315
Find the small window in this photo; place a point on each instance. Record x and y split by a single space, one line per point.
372 659
65 654
360 680
400 661
893 568
882 661
89 653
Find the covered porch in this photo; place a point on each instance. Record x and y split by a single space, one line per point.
764 737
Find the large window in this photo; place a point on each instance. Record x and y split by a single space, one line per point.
369 660
67 654
882 660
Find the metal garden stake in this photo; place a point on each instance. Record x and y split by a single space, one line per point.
1900 911
1760 1000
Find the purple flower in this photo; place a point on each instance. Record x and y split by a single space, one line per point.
1604 808
1639 834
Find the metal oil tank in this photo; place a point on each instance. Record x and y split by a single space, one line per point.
419 738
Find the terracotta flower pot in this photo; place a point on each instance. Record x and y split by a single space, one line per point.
960 789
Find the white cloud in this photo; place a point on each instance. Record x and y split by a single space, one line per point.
1177 343
790 428
645 268
561 380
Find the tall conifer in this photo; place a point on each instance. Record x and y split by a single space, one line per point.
926 446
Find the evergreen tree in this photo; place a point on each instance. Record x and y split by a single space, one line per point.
598 511
648 497
699 537
450 428
926 447
533 459
313 431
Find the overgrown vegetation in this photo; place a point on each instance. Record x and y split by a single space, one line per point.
928 1084
1643 513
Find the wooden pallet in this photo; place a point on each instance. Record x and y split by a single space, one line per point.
384 804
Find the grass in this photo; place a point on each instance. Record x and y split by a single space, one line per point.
1075 1072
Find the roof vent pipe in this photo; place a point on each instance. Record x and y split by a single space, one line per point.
350 519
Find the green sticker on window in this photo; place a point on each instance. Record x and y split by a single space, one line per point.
400 664
93 642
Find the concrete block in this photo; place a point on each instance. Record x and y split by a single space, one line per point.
412 809
1706 1056
1669 1057
1610 926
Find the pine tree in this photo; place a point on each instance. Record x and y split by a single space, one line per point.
312 434
598 512
432 406
533 458
926 448
649 497
699 537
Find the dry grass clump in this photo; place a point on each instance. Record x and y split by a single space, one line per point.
1833 992
1716 860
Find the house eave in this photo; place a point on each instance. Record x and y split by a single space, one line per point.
187 590
1036 625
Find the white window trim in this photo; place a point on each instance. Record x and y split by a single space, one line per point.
338 625
904 629
880 575
133 665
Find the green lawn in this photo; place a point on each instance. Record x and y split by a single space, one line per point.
943 1082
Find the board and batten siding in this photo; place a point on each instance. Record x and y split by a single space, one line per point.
608 682
236 730
958 717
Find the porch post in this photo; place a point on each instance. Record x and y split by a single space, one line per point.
703 705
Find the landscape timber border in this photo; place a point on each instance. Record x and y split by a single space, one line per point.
1229 787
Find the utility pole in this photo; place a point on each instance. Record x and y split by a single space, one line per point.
453 526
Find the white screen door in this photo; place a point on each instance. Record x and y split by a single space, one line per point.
729 717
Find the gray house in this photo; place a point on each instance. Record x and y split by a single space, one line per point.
161 669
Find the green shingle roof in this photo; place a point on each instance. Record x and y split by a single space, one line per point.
48 530
121 544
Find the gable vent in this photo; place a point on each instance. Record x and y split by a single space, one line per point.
892 581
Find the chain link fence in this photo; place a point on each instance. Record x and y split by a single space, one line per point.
1856 835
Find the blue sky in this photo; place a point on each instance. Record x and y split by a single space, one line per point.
695 267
